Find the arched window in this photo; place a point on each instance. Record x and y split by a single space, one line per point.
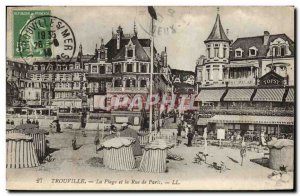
282 50
127 83
118 83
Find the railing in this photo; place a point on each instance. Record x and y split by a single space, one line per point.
127 89
240 81
96 90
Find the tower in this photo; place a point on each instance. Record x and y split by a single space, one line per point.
217 55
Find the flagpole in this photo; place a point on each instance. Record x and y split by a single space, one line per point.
151 76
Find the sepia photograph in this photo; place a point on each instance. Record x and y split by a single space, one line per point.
109 98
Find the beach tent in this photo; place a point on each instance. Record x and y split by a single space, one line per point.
281 154
154 159
118 154
20 151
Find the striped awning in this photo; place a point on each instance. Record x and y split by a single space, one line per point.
210 95
275 94
277 120
290 96
238 95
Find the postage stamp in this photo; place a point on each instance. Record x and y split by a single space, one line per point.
38 34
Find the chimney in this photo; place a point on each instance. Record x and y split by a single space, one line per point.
266 37
165 57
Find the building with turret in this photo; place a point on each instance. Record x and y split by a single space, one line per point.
246 85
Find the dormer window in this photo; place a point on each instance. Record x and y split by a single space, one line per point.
238 52
102 55
252 51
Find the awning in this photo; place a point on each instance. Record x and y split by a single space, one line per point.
210 95
202 121
275 94
290 96
238 95
277 120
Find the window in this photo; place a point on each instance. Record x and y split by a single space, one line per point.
144 68
143 83
252 52
118 68
129 68
102 85
238 53
224 52
118 83
282 51
102 69
274 51
208 73
102 55
129 53
127 83
208 52
94 69
216 52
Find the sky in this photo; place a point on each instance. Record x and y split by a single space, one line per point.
181 29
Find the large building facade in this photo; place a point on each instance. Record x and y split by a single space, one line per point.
121 68
246 85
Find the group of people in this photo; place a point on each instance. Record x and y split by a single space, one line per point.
10 122
187 130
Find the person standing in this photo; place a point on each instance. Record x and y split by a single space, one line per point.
190 136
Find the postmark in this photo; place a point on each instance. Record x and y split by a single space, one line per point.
164 25
46 36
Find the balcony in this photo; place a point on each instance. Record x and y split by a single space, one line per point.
98 75
101 91
127 90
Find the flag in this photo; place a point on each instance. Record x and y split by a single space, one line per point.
152 12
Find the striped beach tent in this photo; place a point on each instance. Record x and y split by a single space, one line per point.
118 154
20 152
154 159
39 139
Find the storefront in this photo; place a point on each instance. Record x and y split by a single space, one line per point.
252 126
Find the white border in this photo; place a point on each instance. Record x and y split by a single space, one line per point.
5 3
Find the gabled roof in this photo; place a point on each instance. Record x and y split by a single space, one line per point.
258 41
140 53
112 50
217 33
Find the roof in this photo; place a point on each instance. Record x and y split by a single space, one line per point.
112 50
217 33
238 95
280 143
272 94
290 96
140 53
210 95
284 120
258 42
